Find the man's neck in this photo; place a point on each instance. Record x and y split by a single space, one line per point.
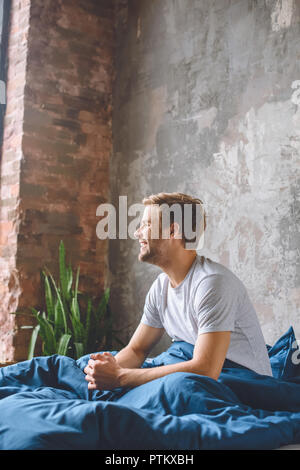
178 266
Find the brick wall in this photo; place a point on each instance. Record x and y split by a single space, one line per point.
56 150
12 155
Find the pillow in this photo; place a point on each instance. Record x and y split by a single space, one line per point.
284 356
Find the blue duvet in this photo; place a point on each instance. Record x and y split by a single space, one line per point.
45 404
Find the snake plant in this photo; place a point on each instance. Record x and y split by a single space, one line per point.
71 323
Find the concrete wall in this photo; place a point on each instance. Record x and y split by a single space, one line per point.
203 104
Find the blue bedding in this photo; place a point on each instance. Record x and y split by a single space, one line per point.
45 404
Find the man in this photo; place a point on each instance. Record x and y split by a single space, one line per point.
194 299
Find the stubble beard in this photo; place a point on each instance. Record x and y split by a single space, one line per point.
152 255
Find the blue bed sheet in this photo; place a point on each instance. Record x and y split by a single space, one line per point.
45 404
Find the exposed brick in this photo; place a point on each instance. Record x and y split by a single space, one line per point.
32 190
5 230
11 155
8 202
56 149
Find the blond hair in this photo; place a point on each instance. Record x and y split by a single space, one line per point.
178 198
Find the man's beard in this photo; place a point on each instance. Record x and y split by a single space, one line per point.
151 254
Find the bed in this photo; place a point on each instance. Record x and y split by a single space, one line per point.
45 404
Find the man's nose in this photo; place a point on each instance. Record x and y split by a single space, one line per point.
136 233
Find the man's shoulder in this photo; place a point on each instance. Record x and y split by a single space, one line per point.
209 272
159 282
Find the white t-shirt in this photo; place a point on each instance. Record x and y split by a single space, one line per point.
210 298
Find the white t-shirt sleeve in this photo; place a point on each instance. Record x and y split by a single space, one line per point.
150 315
216 302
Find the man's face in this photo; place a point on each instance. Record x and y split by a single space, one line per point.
149 236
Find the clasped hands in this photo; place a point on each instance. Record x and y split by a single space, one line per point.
103 372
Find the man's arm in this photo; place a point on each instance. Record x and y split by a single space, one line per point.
208 358
143 340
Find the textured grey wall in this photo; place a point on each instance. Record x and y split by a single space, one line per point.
204 104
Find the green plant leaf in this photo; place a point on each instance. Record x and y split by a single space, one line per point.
48 298
63 272
76 281
47 335
32 342
59 308
59 326
70 278
63 344
88 325
21 313
75 309
70 324
77 325
34 311
74 302
79 349
78 329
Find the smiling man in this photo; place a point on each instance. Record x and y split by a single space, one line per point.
194 299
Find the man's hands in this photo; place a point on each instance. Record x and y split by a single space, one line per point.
106 372
103 372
